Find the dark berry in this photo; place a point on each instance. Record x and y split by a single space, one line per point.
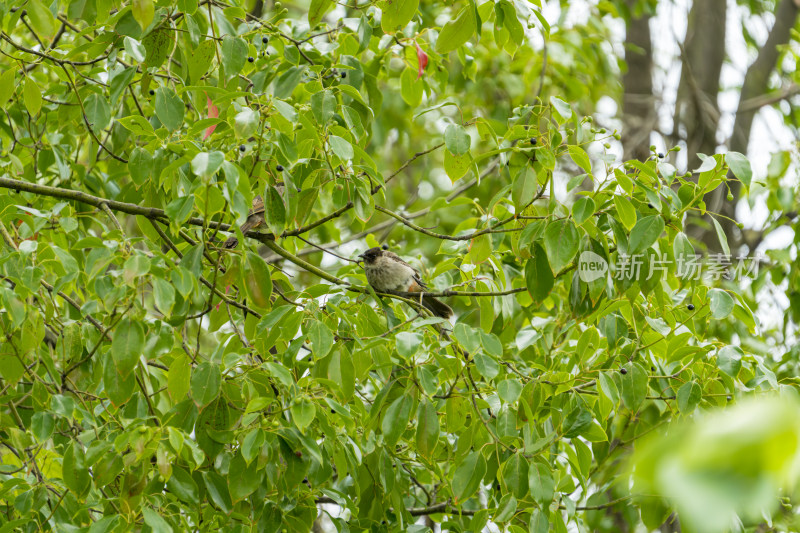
660 155
279 168
623 371
385 247
652 369
152 92
251 59
265 40
344 74
690 307
332 411
299 189
650 206
728 398
298 453
533 141
242 148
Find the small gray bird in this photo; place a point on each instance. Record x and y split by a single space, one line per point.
254 220
386 272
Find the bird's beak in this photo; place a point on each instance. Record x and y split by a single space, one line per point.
361 256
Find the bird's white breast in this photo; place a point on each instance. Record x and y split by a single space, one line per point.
389 275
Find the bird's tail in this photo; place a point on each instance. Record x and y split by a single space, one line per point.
437 307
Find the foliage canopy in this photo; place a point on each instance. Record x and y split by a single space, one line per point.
151 378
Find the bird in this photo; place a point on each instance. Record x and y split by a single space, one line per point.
255 218
386 272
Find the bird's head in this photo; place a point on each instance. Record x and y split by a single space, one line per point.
370 256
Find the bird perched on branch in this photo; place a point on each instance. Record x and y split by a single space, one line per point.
255 218
386 272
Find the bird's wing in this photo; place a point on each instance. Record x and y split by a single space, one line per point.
417 276
258 206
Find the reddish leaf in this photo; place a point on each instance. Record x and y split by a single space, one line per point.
422 59
213 112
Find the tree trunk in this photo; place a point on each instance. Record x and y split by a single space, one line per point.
638 109
702 55
755 84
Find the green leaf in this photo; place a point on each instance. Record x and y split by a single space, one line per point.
245 124
456 32
538 522
688 395
127 345
524 188
274 210
583 209
217 488
234 55
580 157
156 523
286 82
323 105
42 425
118 387
515 475
317 11
541 484
32 96
164 294
467 476
321 338
182 485
505 509
397 13
143 11
159 44
178 377
140 165
561 240
7 87
486 365
75 470
456 139
740 167
303 412
456 165
201 60
467 337
98 112
340 147
682 248
634 386
257 281
169 108
205 383
645 233
562 108
509 390
411 88
408 343
608 387
625 212
729 360
396 419
427 429
206 164
720 302
41 18
723 240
